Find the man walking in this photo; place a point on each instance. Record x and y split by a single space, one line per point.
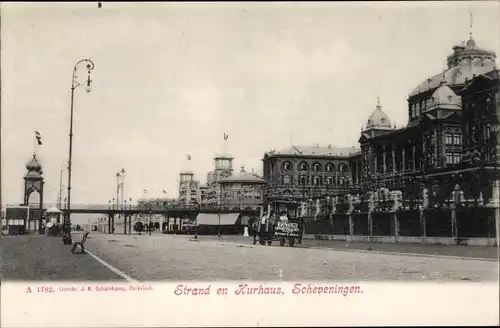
255 230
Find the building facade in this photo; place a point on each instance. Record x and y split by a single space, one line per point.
434 180
434 150
242 191
223 169
300 175
189 189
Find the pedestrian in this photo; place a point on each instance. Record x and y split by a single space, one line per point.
263 228
255 230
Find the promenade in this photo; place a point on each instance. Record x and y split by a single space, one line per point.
477 252
162 257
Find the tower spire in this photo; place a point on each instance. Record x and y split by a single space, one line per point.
470 30
378 103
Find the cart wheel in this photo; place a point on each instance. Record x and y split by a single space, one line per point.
291 242
282 242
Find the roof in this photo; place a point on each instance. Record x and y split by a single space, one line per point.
243 176
186 172
216 219
53 210
378 118
223 156
465 62
34 165
444 98
316 151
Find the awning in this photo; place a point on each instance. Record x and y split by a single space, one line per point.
213 219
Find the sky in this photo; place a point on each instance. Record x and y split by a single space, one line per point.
171 78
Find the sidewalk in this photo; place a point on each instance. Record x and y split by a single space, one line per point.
40 257
472 252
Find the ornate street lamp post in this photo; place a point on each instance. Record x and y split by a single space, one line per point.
149 225
74 84
130 217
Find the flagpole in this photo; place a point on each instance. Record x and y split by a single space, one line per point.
224 145
36 146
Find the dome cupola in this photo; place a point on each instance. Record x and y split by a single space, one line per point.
466 61
444 98
378 119
34 165
243 177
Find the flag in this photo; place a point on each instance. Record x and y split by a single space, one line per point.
38 137
225 136
189 157
145 191
164 191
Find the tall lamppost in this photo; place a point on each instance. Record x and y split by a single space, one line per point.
219 209
130 217
59 197
74 84
149 225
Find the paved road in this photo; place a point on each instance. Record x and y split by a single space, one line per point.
481 252
168 257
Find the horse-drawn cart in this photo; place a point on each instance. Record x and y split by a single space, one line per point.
282 232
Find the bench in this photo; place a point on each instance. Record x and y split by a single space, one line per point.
80 243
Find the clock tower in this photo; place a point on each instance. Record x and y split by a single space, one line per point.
33 182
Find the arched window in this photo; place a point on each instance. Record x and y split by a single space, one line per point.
303 179
329 167
287 166
316 167
287 180
343 168
303 166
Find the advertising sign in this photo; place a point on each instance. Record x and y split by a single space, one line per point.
287 229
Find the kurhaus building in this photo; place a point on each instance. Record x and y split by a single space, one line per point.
451 139
448 139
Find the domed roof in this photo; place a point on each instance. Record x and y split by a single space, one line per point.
53 210
243 176
34 165
444 98
378 119
465 62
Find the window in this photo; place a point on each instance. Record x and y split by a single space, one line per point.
302 179
316 181
303 167
453 139
329 167
412 111
453 158
342 168
329 181
316 167
286 180
287 166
